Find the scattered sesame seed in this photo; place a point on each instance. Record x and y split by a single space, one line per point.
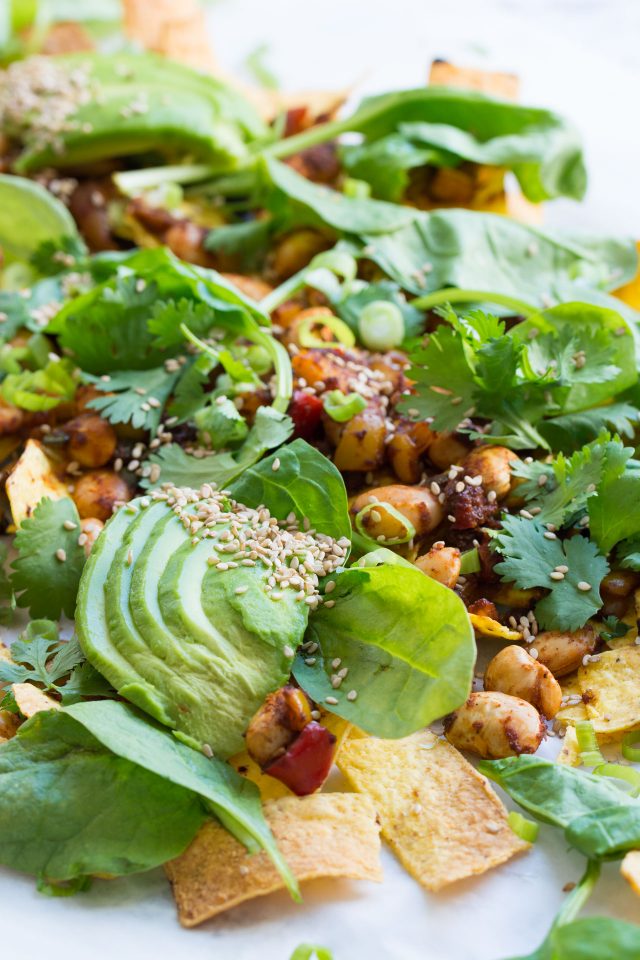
549 535
331 701
239 590
492 496
206 749
533 653
459 486
69 525
288 651
584 586
276 464
556 575
310 661
352 695
61 555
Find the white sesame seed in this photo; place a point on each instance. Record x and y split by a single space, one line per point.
556 575
288 651
492 496
276 464
238 590
549 535
533 653
331 701
459 486
584 586
352 695
61 555
310 661
562 568
206 749
69 525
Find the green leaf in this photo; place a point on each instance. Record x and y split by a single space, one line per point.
45 584
39 390
628 554
351 306
189 394
83 810
168 316
306 483
407 670
608 833
7 597
442 374
131 391
40 656
614 515
232 798
246 241
530 557
220 424
269 430
571 431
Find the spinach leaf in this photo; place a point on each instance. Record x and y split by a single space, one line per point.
232 798
70 808
552 792
608 833
591 938
305 483
570 431
406 669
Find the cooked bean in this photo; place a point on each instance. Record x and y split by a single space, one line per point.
493 464
406 447
252 287
97 492
282 715
295 250
494 725
447 449
562 651
92 440
361 445
417 504
441 564
92 528
514 672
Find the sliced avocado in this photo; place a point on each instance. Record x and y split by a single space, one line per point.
197 647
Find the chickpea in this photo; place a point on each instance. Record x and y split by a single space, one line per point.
417 504
495 725
283 714
85 393
514 672
92 528
615 590
447 449
186 240
406 447
562 651
92 440
442 564
252 287
295 250
361 445
493 465
97 492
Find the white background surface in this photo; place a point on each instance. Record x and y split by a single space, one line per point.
581 57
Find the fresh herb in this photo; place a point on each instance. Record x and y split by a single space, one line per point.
613 629
404 671
531 557
46 572
128 395
7 596
40 390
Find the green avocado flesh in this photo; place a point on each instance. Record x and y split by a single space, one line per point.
171 632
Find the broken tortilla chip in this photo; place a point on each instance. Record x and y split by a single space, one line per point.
630 293
31 479
488 627
31 700
574 708
610 686
570 752
445 74
324 835
438 814
630 869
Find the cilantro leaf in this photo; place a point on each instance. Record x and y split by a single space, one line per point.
531 475
613 628
7 596
614 514
38 390
55 256
45 584
529 559
189 394
270 430
628 554
129 394
444 386
168 316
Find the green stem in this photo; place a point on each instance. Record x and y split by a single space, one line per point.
579 895
134 182
456 295
286 290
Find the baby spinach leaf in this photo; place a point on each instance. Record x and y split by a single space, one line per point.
305 483
405 668
571 431
590 938
608 833
69 807
552 792
232 798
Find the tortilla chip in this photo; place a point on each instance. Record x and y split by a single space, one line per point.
32 700
488 627
519 208
630 293
610 686
66 37
438 814
570 752
577 711
175 30
31 479
445 74
324 835
630 869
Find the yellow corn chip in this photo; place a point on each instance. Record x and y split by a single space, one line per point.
630 293
488 627
574 711
630 869
31 479
570 753
31 700
440 816
445 74
610 686
325 835
5 653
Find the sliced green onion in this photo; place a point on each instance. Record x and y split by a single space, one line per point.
523 828
259 359
340 262
381 505
342 407
381 325
343 334
134 182
620 772
456 295
470 561
590 754
358 189
629 752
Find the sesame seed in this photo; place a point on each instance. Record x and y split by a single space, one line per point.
329 603
562 568
492 827
336 663
492 496
526 514
556 575
310 661
239 590
206 749
352 695
276 464
288 651
331 701
533 653
584 586
451 518
61 555
459 486
69 525
549 535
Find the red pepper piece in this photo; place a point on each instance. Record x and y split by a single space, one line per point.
306 764
305 410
